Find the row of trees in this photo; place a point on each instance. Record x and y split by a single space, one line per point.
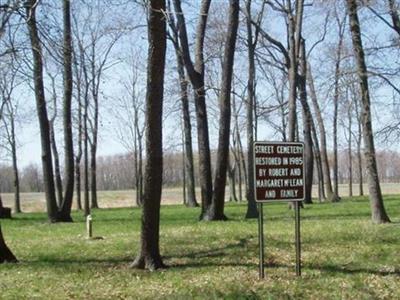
117 172
289 101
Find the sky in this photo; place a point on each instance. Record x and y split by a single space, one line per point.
29 150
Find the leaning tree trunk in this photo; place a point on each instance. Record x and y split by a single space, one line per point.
378 212
149 254
252 211
42 112
5 253
216 210
65 209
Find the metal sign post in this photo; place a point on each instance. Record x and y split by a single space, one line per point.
261 239
298 240
279 176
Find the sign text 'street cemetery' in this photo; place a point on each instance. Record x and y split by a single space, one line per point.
279 171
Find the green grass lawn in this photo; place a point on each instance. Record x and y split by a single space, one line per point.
344 255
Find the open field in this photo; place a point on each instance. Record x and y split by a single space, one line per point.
35 202
344 255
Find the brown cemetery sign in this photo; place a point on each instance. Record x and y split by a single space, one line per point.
279 171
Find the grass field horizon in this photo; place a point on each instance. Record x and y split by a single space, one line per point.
35 202
345 255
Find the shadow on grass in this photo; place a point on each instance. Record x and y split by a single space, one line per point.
61 262
350 271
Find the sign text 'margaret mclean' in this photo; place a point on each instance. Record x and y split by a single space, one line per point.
279 183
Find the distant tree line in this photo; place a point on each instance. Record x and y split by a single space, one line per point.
116 172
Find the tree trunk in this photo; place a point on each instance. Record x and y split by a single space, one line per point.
331 196
78 157
317 156
57 172
216 210
17 200
184 185
350 154
149 255
5 253
65 209
378 211
360 169
238 151
196 75
252 211
86 203
187 128
307 127
232 182
93 177
42 112
336 103
359 141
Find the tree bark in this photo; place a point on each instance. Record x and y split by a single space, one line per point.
216 210
5 253
42 112
378 212
65 209
149 255
252 211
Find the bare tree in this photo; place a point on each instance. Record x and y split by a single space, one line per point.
378 211
65 207
8 83
336 96
216 210
36 47
251 87
307 124
149 254
190 194
331 196
195 73
131 126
